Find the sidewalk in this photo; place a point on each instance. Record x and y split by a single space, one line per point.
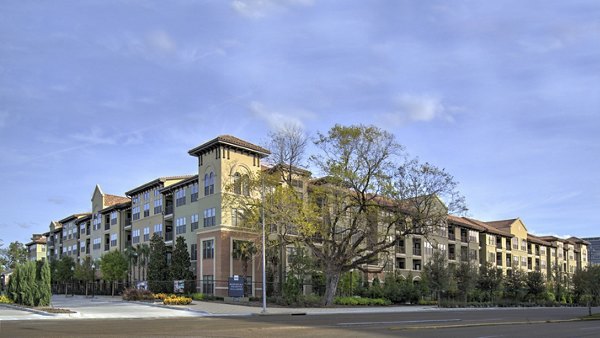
115 307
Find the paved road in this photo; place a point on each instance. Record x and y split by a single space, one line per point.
452 323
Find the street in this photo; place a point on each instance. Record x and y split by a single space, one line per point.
517 322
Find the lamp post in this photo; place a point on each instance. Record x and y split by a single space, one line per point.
93 279
264 243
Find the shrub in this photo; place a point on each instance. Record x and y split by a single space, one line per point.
177 300
354 301
161 295
137 294
5 300
198 296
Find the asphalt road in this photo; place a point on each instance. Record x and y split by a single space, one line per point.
457 323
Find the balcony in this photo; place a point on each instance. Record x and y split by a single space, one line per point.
464 238
451 256
451 236
168 213
107 226
400 249
169 238
417 251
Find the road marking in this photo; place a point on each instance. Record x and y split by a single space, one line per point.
590 328
401 322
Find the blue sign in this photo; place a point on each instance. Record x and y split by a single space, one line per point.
236 286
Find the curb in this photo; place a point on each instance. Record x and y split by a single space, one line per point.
435 327
38 312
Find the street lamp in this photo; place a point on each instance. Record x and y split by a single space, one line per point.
93 279
264 243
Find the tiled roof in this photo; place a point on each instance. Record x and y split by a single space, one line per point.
490 229
110 200
295 169
117 206
503 225
578 240
537 240
73 216
465 222
229 140
157 181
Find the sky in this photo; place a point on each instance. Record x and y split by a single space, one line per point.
505 95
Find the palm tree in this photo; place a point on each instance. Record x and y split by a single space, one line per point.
244 250
144 253
132 255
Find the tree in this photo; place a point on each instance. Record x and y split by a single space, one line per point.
65 269
586 284
84 272
44 288
368 198
490 280
158 269
180 262
132 259
288 148
113 266
143 251
244 250
437 274
536 287
515 287
15 254
466 278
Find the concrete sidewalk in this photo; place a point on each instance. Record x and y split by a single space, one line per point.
115 307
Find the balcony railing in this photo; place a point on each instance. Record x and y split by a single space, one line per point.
168 209
464 238
401 249
451 256
168 236
451 236
417 251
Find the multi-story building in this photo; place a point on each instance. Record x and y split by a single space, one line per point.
196 208
36 249
593 250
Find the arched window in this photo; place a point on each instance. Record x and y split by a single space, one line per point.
245 185
237 183
209 184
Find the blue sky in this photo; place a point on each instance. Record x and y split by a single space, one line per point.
503 94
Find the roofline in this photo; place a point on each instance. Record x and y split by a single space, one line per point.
122 205
218 140
180 183
154 182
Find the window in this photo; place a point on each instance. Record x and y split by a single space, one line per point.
158 206
451 233
498 258
194 192
209 217
180 226
158 229
193 252
156 193
516 261
523 261
208 249
146 234
96 243
136 213
451 252
82 246
194 222
146 209
237 217
208 284
417 265
209 184
400 246
135 199
241 184
82 228
515 244
417 246
96 221
473 236
135 236
523 245
401 263
113 239
146 195
113 218
180 197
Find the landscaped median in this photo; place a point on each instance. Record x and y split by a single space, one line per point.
145 295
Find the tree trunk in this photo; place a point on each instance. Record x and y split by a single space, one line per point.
113 288
331 283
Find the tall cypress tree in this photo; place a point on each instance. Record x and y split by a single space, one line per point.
44 287
180 263
158 270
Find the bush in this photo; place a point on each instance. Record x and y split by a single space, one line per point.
354 301
177 300
197 296
137 294
5 300
161 295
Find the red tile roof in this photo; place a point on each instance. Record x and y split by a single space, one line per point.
110 200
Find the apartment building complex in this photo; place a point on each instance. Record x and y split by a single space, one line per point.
36 249
194 207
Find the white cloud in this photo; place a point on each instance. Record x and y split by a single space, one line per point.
95 136
417 108
260 8
278 118
161 41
